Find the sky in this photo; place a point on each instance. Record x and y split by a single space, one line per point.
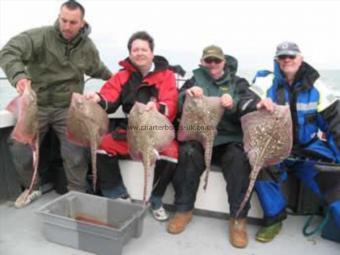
248 30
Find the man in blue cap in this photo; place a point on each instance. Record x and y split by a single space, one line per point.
295 83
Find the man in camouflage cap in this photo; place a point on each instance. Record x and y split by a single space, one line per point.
216 76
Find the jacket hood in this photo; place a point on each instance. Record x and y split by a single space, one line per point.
306 75
83 33
232 64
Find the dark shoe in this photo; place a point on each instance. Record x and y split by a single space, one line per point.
266 234
116 192
237 233
179 222
124 198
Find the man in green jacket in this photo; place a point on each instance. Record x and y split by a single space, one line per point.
54 59
216 76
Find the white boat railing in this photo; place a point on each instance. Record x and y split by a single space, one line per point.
6 119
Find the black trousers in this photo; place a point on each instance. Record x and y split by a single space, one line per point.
235 168
109 175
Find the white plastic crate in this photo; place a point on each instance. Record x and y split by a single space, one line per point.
92 223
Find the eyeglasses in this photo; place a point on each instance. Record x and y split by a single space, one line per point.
283 57
211 60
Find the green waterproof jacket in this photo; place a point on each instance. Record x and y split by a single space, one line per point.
55 66
229 128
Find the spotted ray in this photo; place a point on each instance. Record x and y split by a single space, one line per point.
149 133
268 140
87 122
199 120
26 131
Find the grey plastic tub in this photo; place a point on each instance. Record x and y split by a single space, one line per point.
120 222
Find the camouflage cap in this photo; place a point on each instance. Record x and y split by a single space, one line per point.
213 51
287 48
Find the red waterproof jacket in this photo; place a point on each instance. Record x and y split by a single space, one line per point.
128 86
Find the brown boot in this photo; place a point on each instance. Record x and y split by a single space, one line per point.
237 233
178 223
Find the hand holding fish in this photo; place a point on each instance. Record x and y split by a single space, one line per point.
92 96
26 131
201 112
21 85
195 91
145 145
86 123
151 106
266 104
227 101
268 139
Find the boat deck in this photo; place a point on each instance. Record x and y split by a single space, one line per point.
20 233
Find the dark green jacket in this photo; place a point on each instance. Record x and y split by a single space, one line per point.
55 66
229 128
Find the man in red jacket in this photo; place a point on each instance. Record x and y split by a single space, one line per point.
145 78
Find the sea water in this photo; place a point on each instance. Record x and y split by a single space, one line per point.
330 77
